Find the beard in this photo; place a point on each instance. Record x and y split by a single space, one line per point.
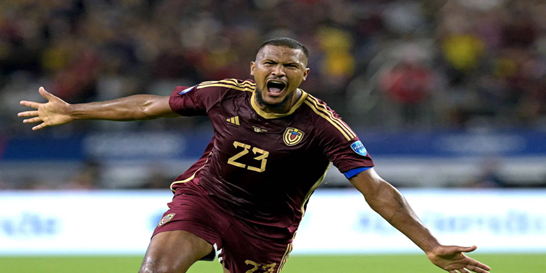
272 107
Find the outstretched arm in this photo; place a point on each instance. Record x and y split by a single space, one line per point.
56 111
391 205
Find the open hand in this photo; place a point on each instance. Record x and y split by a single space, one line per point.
53 112
452 259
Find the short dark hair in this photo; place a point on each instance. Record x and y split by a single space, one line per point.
287 42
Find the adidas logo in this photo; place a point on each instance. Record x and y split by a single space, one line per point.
234 120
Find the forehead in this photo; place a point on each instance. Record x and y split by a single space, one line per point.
281 54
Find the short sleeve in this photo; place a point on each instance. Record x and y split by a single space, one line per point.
348 155
194 101
342 146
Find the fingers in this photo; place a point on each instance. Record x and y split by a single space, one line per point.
35 118
32 120
467 248
40 126
28 114
33 114
30 104
477 266
35 105
469 269
473 266
477 269
44 93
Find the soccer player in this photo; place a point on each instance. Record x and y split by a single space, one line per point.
273 143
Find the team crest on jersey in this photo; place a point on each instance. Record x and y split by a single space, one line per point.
292 136
359 148
166 219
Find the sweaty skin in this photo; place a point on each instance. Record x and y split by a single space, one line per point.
274 67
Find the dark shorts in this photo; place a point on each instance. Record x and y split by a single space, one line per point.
239 247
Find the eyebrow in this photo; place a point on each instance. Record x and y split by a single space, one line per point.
288 63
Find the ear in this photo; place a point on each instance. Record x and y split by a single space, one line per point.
305 73
252 66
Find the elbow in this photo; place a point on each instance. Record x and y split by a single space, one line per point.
375 202
154 107
145 114
146 111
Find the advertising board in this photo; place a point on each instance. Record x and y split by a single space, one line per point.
336 221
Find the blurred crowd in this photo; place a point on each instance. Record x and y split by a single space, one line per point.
383 64
415 64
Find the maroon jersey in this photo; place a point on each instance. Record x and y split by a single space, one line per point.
263 167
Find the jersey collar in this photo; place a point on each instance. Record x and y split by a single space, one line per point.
267 115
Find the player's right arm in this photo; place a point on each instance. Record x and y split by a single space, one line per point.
56 111
388 202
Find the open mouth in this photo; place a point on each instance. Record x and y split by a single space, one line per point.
275 87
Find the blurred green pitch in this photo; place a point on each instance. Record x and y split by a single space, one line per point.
501 263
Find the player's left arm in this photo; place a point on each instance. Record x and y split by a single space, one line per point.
388 202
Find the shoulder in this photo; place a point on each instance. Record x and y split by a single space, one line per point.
327 120
211 92
206 95
228 85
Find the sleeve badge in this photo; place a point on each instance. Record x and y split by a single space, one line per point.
359 148
166 219
186 90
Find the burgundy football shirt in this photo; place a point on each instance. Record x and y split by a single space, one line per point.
263 167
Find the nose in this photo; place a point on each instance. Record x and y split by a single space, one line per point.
278 71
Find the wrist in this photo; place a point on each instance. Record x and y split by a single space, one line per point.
429 245
70 110
74 111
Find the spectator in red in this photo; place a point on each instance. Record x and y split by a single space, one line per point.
408 85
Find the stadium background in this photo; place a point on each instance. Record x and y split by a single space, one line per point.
448 96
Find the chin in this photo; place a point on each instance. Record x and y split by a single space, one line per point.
274 101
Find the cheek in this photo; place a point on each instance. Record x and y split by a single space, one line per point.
297 78
259 72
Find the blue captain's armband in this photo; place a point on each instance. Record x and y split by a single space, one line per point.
352 173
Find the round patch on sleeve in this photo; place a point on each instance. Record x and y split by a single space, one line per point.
166 219
186 90
359 148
